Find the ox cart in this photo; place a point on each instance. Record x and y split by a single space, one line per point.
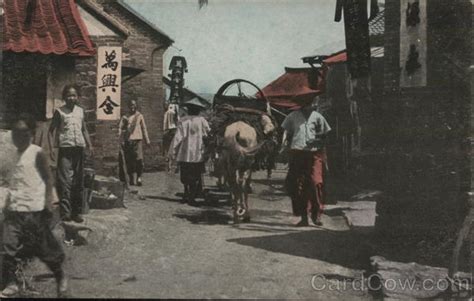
242 140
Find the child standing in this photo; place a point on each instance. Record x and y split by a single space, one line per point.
133 131
28 211
72 138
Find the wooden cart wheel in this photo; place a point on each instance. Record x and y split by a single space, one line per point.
238 82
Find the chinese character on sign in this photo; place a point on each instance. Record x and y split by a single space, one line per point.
413 14
109 80
413 43
110 63
178 67
108 106
412 63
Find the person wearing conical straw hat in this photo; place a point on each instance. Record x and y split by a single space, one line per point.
187 148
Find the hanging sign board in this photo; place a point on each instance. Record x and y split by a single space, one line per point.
356 26
109 81
413 43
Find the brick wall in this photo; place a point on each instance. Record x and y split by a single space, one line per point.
103 133
428 127
146 50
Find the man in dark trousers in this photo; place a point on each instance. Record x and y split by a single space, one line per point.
188 149
305 133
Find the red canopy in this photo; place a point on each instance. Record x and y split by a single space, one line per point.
296 87
340 57
45 26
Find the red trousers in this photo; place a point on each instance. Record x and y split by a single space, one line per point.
304 182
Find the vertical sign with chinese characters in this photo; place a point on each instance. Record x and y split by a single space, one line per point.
356 27
178 67
413 43
109 77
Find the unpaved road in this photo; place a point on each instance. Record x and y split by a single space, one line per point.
160 248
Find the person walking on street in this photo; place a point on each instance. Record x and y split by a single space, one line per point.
170 123
132 132
28 211
187 148
305 133
72 138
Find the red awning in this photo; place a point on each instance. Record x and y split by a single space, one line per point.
340 57
296 87
45 26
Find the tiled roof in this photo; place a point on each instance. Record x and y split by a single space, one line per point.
377 24
47 27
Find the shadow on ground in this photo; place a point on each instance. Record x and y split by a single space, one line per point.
217 217
218 203
163 198
277 184
343 248
267 227
206 217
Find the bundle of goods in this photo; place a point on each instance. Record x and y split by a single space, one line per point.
253 111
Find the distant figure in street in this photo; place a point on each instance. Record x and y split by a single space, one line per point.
170 123
72 138
28 211
132 132
187 148
305 133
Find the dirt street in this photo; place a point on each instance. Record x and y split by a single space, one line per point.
160 248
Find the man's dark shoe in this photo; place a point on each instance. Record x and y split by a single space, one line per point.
62 287
193 203
66 218
139 182
302 223
316 220
78 218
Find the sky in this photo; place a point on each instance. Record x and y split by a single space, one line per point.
250 39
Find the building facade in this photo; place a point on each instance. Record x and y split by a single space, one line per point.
37 76
426 111
114 23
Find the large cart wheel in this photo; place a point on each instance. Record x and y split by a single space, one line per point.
256 100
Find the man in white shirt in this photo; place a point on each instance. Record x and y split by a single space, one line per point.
305 133
28 211
187 148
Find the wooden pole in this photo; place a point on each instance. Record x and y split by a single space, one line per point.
124 166
1 250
